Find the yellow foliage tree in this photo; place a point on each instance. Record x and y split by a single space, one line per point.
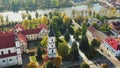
58 61
33 65
26 23
44 41
66 20
44 20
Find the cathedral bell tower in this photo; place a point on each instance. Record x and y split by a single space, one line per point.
51 43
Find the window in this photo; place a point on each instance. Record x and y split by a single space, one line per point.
52 51
10 59
3 61
9 51
2 53
52 40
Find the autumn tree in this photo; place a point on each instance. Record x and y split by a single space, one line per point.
66 20
32 65
44 41
26 23
63 49
57 61
44 20
104 65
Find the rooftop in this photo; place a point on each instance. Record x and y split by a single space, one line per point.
113 43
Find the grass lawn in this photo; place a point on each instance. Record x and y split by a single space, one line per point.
33 59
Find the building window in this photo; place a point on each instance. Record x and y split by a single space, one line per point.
52 40
2 53
3 61
10 59
9 51
52 51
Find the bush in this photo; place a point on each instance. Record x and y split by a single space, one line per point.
84 65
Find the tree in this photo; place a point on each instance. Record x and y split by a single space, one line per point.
44 41
39 53
50 15
36 14
57 61
79 19
24 15
66 20
114 10
26 23
84 45
49 64
71 31
95 25
84 65
74 51
67 36
29 17
63 49
32 65
95 43
104 65
89 12
44 20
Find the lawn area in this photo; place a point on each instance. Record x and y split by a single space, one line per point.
33 59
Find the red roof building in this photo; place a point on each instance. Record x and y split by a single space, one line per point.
113 43
7 40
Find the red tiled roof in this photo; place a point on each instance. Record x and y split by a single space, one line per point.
113 43
7 55
7 40
31 31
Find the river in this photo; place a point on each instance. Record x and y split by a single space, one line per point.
16 16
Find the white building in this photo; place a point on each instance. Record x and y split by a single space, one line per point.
51 44
113 46
13 44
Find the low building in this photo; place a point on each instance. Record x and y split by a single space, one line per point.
113 46
14 43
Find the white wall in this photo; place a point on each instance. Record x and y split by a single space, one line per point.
8 61
5 51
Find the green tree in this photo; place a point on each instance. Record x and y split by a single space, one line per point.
39 53
79 19
89 12
36 14
74 51
95 43
67 36
95 25
84 45
24 15
29 17
71 31
50 15
84 65
63 49
49 64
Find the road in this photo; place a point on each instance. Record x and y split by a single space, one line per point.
101 36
